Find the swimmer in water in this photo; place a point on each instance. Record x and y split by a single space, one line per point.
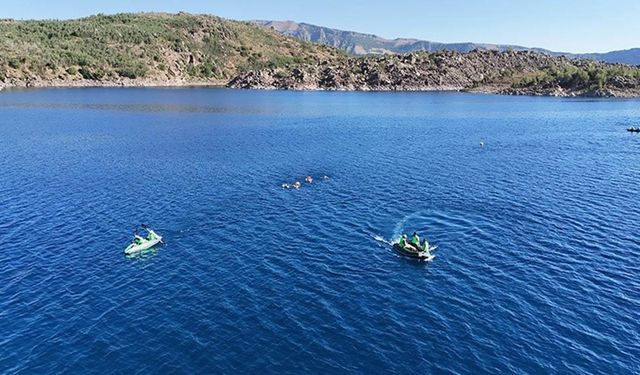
286 186
296 185
308 179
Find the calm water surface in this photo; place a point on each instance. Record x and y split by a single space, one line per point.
538 253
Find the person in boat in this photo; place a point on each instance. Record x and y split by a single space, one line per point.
415 240
425 248
137 240
403 241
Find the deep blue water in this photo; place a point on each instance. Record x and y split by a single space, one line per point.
538 252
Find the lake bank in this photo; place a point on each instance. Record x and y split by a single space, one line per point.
489 72
491 90
73 83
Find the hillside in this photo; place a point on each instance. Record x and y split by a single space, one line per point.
509 72
145 49
360 44
152 49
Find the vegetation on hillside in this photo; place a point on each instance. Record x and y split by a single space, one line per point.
145 45
583 76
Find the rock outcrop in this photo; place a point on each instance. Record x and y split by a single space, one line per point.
509 72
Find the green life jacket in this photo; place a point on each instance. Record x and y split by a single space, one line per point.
402 242
415 240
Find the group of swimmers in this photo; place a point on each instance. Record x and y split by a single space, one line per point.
415 242
297 184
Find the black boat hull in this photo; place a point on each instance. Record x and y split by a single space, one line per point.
410 252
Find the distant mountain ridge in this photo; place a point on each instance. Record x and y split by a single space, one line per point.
359 44
627 56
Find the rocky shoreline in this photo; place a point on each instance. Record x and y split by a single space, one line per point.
71 83
252 85
491 72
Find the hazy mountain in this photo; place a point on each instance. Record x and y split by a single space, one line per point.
628 56
367 44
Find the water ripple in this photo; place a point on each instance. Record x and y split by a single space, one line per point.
535 270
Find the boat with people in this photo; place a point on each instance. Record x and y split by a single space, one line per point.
413 248
141 243
633 130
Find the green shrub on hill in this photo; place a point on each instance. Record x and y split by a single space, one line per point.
91 73
573 76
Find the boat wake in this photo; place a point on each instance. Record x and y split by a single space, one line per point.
381 239
402 224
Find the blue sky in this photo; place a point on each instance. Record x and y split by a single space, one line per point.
560 25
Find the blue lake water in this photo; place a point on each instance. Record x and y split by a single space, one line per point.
536 269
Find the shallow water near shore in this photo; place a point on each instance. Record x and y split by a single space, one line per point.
536 269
